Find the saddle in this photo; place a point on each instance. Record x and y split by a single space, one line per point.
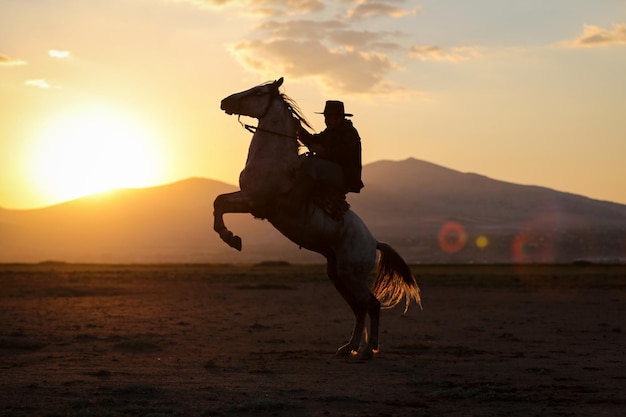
331 200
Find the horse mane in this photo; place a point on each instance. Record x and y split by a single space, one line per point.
292 106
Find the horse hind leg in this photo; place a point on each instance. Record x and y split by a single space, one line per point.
356 293
361 309
352 346
368 351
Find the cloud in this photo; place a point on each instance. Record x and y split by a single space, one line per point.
335 31
332 52
593 36
339 53
369 9
363 9
365 39
270 7
337 69
39 83
55 53
435 53
300 28
7 61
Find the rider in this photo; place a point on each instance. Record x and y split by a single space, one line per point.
335 159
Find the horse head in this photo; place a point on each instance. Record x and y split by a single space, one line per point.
254 102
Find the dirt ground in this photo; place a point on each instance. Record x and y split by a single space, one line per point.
259 340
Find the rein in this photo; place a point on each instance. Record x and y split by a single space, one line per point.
253 129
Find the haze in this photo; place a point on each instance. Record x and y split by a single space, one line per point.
125 93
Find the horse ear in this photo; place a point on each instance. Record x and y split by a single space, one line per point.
278 82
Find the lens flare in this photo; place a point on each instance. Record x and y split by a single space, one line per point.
536 246
452 237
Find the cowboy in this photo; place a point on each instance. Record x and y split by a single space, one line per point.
335 159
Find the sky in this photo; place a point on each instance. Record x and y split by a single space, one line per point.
125 93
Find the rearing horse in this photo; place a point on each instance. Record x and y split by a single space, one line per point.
348 246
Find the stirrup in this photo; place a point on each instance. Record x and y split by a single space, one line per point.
332 201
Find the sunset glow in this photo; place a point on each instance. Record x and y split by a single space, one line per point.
90 151
529 93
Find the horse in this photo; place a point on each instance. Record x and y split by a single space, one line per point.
351 251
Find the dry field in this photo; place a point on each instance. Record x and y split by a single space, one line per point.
259 340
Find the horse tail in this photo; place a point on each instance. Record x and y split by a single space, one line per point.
394 280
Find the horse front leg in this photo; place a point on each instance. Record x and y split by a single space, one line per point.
229 203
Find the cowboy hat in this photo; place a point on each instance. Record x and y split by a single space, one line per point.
334 107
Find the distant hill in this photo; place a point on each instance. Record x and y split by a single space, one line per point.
409 201
427 212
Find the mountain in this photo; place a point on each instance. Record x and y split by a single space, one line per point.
409 202
427 212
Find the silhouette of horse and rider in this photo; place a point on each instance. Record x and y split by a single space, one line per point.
303 196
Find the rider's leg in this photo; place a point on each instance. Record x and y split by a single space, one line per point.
313 171
327 173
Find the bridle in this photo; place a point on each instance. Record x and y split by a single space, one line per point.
254 129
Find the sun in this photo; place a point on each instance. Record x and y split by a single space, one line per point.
89 151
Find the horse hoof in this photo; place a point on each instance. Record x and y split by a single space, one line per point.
366 354
344 351
235 242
